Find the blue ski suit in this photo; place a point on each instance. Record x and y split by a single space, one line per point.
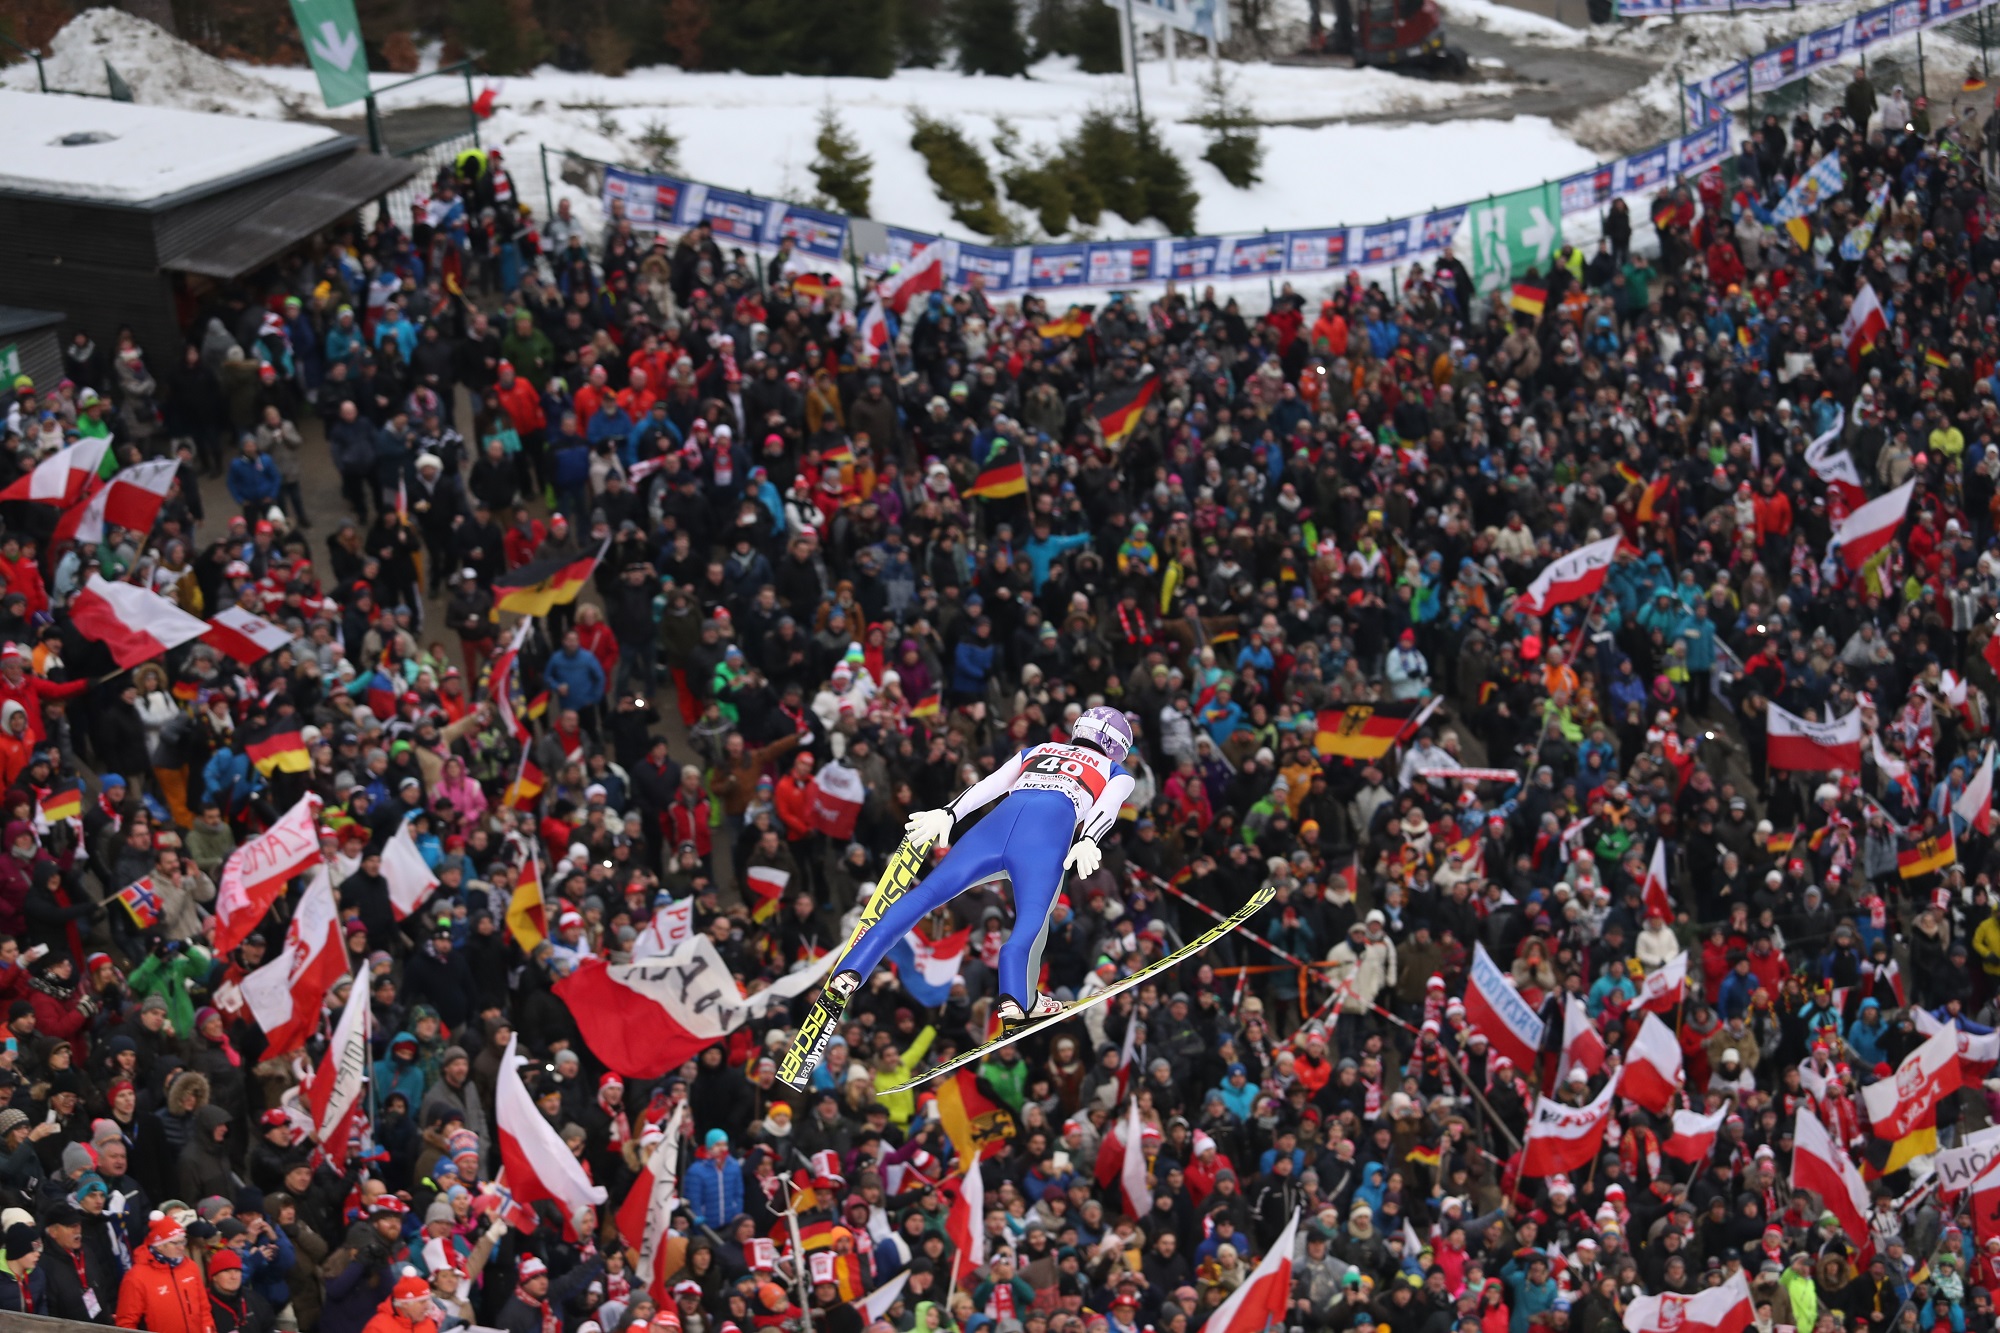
1050 793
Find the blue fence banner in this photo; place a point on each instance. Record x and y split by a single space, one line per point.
1702 149
651 202
741 218
1823 46
1114 262
1384 244
1251 255
1434 230
994 266
1586 190
811 232
1774 68
1641 171
1194 257
1864 30
1316 251
1057 266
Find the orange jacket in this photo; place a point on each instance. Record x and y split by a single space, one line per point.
163 1298
390 1320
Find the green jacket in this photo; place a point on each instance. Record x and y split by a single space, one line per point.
170 977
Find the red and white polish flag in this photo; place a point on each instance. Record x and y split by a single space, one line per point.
1132 1170
1572 577
1873 526
1653 1067
671 927
135 624
644 1217
644 1018
965 1219
1494 1007
410 879
1694 1134
1813 747
1820 1166
1265 1298
1864 326
1723 1309
256 873
1978 1052
335 1095
132 500
834 800
1975 804
1582 1047
244 635
1904 1102
1662 989
539 1164
60 478
1657 897
1566 1138
288 994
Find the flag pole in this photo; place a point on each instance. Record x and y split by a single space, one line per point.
799 1267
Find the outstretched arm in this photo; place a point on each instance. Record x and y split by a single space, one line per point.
936 825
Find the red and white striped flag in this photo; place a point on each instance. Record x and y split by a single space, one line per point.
1264 1300
256 873
1657 898
410 878
1662 989
1572 577
1653 1071
1582 1047
922 272
649 1207
1813 747
1864 326
1819 1165
1132 1171
1975 804
1978 1052
1905 1102
1693 1137
1494 1007
1873 526
1564 1138
132 500
539 1164
136 625
965 1218
834 800
288 994
60 478
335 1096
1723 1309
244 635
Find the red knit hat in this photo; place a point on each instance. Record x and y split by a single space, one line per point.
411 1288
164 1230
224 1261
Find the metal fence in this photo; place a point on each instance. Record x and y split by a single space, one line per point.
429 135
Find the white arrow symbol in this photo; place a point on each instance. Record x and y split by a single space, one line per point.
1541 233
335 47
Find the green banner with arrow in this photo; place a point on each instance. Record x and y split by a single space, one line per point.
332 37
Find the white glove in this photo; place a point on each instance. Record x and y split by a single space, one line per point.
39 951
1084 858
497 1232
928 826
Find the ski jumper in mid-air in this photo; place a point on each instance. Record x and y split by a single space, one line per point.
1057 803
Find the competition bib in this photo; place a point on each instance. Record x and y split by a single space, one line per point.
1077 773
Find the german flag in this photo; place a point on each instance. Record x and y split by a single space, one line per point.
278 748
840 453
1529 298
1880 1157
1118 411
814 286
1001 478
1780 843
527 912
524 791
1654 496
1363 731
928 706
1926 857
1672 211
1427 1155
186 691
61 805
1934 357
538 707
1626 473
1072 325
1973 84
540 586
978 1124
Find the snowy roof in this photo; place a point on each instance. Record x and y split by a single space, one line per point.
93 149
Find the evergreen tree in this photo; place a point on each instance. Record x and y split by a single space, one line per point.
1086 30
853 39
920 29
989 37
841 169
961 175
1234 148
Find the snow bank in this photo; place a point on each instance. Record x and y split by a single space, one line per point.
160 69
1507 21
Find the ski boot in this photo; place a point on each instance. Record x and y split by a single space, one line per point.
1013 1017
